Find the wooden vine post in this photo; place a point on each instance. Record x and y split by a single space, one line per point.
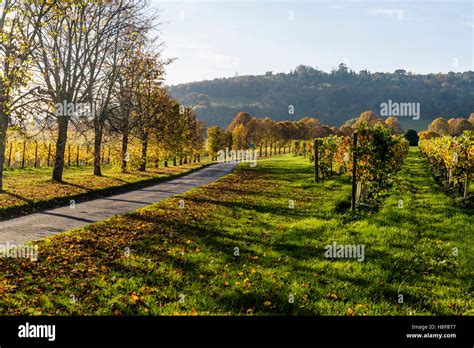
466 185
354 172
316 160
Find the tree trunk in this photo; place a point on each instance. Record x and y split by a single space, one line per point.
9 156
58 169
97 148
3 139
23 155
174 161
49 154
144 155
69 155
124 151
36 154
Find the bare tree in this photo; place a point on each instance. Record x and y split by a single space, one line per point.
70 58
20 22
128 34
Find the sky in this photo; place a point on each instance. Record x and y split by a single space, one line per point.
213 39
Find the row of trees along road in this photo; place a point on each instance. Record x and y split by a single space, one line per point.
96 53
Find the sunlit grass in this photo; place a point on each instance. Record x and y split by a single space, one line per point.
164 260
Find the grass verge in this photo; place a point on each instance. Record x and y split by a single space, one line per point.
29 190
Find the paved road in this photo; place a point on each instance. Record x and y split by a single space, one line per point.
40 225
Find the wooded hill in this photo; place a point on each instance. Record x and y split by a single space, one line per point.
333 97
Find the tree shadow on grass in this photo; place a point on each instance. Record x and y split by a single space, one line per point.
21 198
282 210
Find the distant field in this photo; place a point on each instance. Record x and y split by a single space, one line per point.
240 247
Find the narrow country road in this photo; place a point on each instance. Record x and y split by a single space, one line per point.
40 225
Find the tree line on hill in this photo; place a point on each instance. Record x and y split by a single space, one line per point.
331 97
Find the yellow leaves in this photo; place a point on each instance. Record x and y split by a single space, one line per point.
253 270
237 283
333 295
241 273
249 311
117 313
246 280
267 304
226 283
201 276
134 298
4 287
350 312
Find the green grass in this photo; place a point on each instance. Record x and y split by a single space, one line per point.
191 252
30 189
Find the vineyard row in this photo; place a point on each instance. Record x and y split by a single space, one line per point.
452 161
